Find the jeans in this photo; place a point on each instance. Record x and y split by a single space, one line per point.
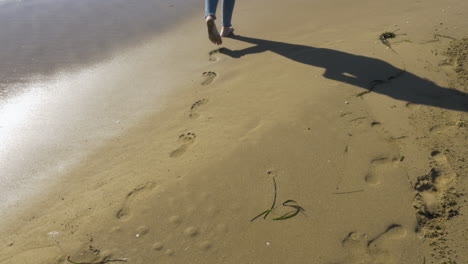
228 7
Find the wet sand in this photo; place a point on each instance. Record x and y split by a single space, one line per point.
381 175
59 108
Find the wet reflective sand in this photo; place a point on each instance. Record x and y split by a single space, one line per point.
72 75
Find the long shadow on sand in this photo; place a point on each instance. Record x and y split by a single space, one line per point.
361 71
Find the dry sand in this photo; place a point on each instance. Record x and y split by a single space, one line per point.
381 175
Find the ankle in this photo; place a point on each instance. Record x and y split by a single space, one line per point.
208 18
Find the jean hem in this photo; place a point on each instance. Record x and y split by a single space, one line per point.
213 15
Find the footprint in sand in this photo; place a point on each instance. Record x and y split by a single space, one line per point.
137 194
361 249
186 140
436 198
214 52
194 109
88 253
441 128
438 129
378 167
412 106
393 232
208 78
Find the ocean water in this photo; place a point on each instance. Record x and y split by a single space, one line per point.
41 37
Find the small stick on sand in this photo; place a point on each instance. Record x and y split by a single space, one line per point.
348 192
100 262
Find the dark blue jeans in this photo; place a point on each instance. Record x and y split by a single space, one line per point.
228 7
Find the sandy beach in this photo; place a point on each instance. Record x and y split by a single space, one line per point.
349 149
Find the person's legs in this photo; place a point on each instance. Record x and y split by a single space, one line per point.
210 8
210 16
228 8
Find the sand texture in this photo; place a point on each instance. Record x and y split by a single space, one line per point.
369 141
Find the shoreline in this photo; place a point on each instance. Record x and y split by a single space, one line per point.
53 123
182 185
